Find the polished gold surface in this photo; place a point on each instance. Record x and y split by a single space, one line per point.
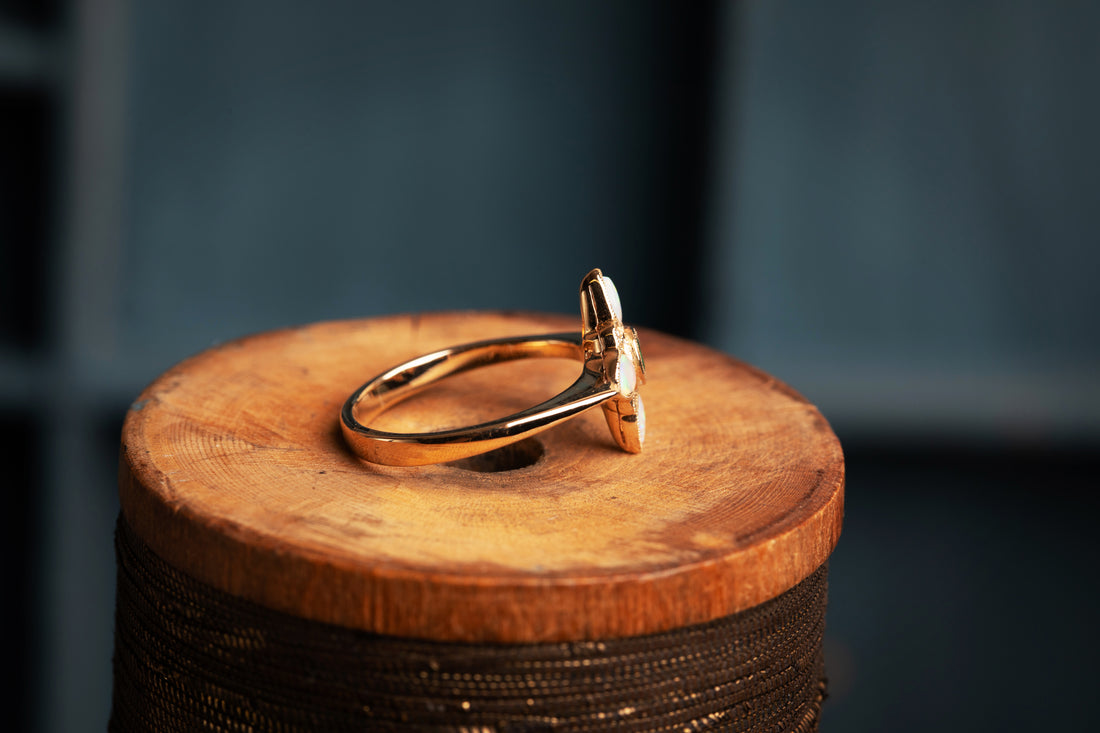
612 370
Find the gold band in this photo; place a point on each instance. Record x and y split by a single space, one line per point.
612 371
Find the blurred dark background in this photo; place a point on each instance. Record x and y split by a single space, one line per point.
891 206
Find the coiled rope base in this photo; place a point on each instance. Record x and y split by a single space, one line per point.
190 657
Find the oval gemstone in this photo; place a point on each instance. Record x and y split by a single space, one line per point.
628 373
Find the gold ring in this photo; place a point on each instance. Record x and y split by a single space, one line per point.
613 369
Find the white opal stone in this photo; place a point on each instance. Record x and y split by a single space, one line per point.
628 373
639 409
612 295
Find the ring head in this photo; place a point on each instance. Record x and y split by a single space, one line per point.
623 364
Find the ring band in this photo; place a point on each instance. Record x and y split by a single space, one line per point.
612 371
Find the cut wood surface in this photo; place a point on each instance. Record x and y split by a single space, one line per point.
234 471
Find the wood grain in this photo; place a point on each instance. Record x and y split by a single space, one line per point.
234 471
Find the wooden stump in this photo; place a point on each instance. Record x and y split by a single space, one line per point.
234 471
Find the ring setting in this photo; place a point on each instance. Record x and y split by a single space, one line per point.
612 371
606 336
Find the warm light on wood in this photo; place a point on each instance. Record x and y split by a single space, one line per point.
234 471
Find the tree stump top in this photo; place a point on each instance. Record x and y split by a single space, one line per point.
234 471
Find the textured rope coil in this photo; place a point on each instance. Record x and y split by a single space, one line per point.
190 657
